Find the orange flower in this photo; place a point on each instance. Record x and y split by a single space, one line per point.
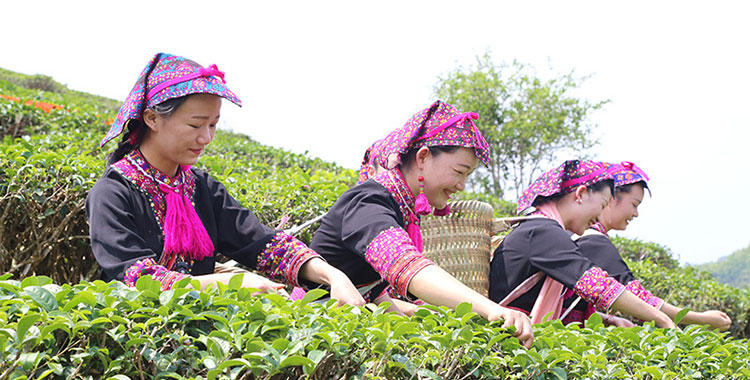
11 98
46 107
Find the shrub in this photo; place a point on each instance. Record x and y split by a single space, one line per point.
637 250
106 330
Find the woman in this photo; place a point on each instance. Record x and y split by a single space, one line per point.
630 186
372 232
569 197
152 213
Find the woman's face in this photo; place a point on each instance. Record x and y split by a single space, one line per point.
588 207
179 139
622 209
446 173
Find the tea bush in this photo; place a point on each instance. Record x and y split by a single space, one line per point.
109 331
637 250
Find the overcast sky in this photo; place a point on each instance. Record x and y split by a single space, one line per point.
331 77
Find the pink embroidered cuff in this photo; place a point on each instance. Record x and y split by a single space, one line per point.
150 267
283 257
636 288
393 255
596 287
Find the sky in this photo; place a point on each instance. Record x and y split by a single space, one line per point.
330 77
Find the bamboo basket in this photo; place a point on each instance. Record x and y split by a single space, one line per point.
460 242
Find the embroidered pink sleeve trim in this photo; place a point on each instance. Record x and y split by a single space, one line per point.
150 267
283 257
596 287
393 255
636 288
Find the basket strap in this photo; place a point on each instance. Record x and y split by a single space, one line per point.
521 289
503 224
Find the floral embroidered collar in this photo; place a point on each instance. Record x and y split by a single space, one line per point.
599 228
393 181
147 178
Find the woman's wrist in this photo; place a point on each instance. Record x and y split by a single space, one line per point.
317 270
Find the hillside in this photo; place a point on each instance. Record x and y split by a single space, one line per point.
58 322
732 270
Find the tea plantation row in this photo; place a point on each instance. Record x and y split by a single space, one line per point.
49 158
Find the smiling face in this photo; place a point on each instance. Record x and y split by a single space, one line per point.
179 139
445 173
582 207
623 208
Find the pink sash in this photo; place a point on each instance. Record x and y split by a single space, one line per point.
550 298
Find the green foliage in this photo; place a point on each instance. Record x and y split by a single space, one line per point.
686 287
732 270
104 330
44 86
50 160
697 290
36 82
528 121
637 250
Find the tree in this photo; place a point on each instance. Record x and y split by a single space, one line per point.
528 121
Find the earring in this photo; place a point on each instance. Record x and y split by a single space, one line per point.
579 201
422 205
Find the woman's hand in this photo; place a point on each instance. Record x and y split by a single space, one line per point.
611 320
716 319
664 322
517 319
252 280
343 291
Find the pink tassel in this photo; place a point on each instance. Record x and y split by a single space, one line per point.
415 233
184 233
422 204
442 211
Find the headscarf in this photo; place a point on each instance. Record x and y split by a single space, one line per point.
562 180
626 173
367 161
165 77
440 124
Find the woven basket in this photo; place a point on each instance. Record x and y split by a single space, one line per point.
460 242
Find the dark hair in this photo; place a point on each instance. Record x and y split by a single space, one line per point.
411 155
601 185
137 128
624 189
594 188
